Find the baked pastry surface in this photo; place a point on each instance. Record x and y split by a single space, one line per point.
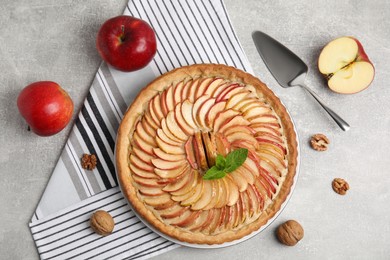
171 135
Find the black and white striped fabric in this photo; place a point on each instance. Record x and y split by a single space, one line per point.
188 32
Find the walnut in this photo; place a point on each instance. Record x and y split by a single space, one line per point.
319 142
102 223
340 186
88 161
290 232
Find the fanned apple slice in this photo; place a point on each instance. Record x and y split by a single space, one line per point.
223 117
195 109
163 137
223 146
212 87
221 87
166 130
210 229
228 130
228 88
241 137
186 111
173 212
153 114
180 183
185 89
157 200
177 92
203 221
150 120
226 95
156 106
163 103
210 147
224 193
140 164
235 121
277 146
230 218
236 97
168 148
246 175
142 173
142 155
215 196
200 154
256 111
202 111
202 87
187 221
187 129
167 165
174 128
168 174
188 188
192 89
148 128
213 111
195 196
207 195
168 157
253 201
190 153
263 189
265 119
266 129
243 103
142 144
169 98
150 191
255 103
233 191
239 180
153 183
269 136
144 135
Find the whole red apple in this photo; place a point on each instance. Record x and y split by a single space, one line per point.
126 43
46 107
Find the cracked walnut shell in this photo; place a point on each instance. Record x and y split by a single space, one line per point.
102 223
319 142
290 233
340 186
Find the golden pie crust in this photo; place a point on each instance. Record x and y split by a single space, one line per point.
160 160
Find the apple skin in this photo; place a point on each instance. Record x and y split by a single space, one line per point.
126 43
361 56
46 107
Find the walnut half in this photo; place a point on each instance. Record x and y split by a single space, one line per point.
340 186
319 142
290 233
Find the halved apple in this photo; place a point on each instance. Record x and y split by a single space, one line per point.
346 66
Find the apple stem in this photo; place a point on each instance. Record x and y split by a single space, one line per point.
28 128
123 33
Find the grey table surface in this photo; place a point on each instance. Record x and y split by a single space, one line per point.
55 40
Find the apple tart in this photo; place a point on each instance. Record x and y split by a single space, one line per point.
171 135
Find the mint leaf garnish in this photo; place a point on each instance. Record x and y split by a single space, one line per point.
220 162
226 165
214 173
235 159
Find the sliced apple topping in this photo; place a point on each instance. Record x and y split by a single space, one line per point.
178 138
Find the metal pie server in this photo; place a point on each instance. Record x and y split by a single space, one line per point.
288 69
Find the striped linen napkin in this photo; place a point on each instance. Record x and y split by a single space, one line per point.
188 32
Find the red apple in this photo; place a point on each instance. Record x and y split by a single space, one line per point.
346 66
126 43
46 107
